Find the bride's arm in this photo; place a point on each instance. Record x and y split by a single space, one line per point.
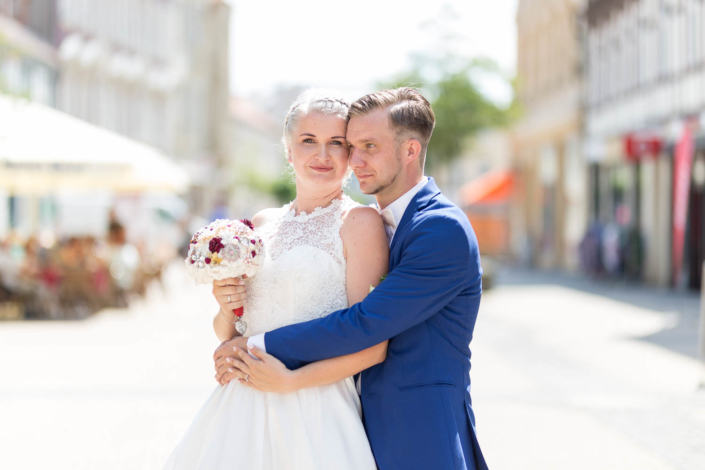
367 260
222 322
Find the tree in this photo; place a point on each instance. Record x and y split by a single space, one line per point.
283 189
461 109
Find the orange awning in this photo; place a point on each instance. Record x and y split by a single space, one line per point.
490 188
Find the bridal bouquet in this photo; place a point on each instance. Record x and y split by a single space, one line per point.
225 249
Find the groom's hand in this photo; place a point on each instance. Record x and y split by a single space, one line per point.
226 358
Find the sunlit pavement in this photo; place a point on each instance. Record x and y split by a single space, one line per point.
113 392
563 378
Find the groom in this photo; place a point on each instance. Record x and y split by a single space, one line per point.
417 406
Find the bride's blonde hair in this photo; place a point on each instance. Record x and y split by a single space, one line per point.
319 100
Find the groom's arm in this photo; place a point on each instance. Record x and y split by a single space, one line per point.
439 258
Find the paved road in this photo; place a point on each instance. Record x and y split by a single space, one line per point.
113 392
577 374
564 378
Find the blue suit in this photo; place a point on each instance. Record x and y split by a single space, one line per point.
416 404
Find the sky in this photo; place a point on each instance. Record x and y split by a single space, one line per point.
350 46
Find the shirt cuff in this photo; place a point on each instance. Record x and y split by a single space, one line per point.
257 341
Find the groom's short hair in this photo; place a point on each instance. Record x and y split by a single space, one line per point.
410 114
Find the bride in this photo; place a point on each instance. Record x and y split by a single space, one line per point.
323 252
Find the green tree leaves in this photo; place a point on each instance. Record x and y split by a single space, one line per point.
461 108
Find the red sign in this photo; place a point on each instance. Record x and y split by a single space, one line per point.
642 144
682 164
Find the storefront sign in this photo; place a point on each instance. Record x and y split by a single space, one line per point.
682 164
642 144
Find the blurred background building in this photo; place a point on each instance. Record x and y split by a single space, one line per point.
118 128
644 100
131 156
551 204
257 174
155 71
482 183
608 151
28 38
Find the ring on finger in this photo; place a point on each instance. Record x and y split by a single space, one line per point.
228 299
247 378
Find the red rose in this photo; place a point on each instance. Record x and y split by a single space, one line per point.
208 261
254 253
215 245
248 223
252 241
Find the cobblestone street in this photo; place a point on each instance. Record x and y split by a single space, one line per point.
563 378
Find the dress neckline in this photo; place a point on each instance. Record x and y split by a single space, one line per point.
290 213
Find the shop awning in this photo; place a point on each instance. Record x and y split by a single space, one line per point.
491 188
43 150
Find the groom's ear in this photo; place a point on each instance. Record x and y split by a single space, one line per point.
413 150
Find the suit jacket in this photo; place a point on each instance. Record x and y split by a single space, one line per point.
416 404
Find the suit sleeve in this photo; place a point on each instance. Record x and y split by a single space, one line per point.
434 268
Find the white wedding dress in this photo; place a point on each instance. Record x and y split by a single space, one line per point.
302 278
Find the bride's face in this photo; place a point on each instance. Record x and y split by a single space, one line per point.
318 150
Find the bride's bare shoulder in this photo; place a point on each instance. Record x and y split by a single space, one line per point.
263 216
362 219
361 215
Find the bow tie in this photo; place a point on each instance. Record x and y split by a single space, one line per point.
388 218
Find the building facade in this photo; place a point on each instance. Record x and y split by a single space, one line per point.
29 69
481 183
645 84
28 56
259 166
155 71
550 207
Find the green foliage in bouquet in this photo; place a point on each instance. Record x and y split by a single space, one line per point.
380 282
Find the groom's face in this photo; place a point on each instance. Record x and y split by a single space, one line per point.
373 152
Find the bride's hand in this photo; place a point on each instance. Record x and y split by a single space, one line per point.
267 373
230 294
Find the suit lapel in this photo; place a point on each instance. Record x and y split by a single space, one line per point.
422 199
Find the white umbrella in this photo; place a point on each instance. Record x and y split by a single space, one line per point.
42 150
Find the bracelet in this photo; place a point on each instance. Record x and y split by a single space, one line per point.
226 318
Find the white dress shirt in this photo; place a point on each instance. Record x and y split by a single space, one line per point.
391 215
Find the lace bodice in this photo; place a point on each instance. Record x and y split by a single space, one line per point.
303 274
